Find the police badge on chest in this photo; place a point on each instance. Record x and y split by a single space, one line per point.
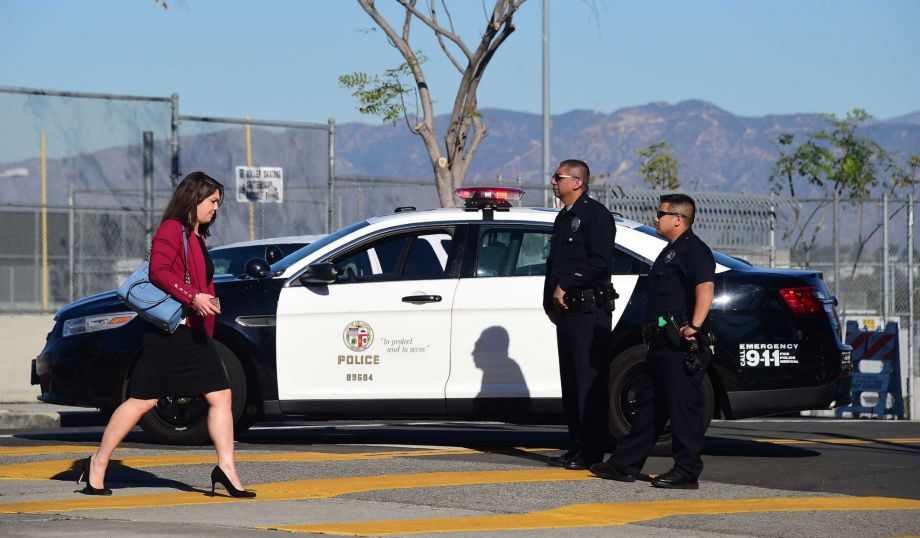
576 223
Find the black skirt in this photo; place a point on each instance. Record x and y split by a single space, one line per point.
184 363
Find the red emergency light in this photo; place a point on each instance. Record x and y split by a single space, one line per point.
476 198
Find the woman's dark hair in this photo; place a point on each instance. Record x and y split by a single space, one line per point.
190 192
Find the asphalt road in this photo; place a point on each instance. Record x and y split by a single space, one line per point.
808 477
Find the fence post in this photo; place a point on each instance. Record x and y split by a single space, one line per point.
772 235
330 195
148 188
174 140
836 244
911 313
885 268
70 239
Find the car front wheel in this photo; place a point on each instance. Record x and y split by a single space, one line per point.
184 421
623 372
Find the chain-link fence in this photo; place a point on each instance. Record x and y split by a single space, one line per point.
302 150
83 176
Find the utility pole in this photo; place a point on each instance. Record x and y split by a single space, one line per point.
547 193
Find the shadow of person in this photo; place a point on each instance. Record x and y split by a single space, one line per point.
119 476
503 392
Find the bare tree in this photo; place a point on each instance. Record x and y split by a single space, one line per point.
386 97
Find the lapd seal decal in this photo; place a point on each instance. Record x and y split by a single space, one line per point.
669 256
576 222
358 336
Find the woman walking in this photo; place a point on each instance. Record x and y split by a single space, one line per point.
184 363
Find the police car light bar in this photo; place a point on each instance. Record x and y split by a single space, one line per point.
477 198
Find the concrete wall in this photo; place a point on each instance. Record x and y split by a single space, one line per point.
22 337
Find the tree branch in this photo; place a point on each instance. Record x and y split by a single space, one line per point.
434 18
435 27
403 47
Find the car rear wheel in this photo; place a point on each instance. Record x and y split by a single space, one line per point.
184 421
623 372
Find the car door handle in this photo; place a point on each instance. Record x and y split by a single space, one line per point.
422 299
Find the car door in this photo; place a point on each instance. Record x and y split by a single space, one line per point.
503 344
380 332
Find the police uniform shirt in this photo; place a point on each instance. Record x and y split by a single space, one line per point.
681 266
581 251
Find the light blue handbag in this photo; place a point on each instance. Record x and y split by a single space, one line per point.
150 302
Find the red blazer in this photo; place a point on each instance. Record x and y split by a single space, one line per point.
167 269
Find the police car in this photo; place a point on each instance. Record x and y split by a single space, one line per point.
437 314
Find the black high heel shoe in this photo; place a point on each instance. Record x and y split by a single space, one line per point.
218 475
89 489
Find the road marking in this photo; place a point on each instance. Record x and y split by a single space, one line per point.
47 469
320 488
38 450
603 515
836 441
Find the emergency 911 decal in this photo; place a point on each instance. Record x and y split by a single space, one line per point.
752 355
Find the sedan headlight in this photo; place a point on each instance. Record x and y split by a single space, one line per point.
89 324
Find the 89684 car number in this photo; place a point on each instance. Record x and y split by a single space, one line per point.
359 377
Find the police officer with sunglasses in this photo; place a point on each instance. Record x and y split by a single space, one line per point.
676 331
578 298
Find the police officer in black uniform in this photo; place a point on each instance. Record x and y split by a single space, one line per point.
578 298
669 386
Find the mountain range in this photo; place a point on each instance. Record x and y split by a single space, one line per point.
716 151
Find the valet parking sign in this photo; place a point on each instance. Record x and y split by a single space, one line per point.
259 184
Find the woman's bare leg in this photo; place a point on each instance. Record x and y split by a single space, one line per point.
123 420
220 427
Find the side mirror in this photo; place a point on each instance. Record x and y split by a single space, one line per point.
257 268
273 254
319 273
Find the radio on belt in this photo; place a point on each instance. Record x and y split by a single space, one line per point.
487 199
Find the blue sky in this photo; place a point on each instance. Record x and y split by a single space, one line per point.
280 59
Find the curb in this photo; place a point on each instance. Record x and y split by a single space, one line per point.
47 416
15 420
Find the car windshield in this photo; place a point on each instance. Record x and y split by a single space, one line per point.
232 260
299 254
720 258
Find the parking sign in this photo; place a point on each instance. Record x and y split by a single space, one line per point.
259 184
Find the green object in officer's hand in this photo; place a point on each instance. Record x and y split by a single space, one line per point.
661 321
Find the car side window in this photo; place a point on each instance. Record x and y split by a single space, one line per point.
417 256
625 263
512 252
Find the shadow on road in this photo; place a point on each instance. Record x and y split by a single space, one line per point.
727 446
862 442
118 476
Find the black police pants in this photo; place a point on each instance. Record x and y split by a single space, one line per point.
583 340
665 390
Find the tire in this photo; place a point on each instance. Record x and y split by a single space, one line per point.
184 421
623 371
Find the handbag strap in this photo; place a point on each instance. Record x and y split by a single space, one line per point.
188 279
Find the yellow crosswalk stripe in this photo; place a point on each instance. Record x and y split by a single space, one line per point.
39 470
48 469
41 450
603 515
300 489
837 441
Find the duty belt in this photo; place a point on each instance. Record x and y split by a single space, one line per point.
601 295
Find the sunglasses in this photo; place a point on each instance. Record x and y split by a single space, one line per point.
661 214
557 177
